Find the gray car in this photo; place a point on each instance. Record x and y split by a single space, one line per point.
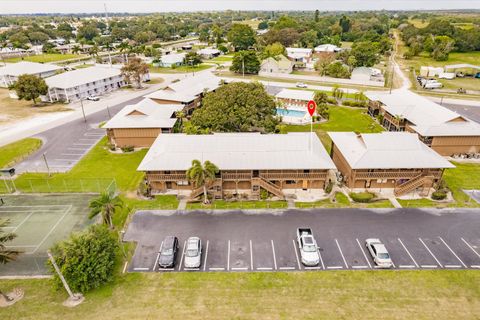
168 253
193 253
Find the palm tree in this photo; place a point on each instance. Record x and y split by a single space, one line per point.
201 175
124 47
6 255
106 205
76 49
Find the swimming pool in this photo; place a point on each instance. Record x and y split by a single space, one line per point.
291 113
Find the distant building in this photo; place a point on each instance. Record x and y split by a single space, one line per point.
140 124
327 48
300 56
248 162
10 73
366 74
443 130
79 84
188 92
172 59
209 53
387 160
295 98
279 64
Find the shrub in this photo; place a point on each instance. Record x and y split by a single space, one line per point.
363 197
331 100
264 194
329 187
351 103
128 149
86 259
439 195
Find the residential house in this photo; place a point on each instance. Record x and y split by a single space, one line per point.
248 162
209 53
445 131
10 73
188 91
172 59
327 48
387 160
79 84
140 124
279 64
300 56
295 98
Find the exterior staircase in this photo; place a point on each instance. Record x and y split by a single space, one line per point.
412 184
199 191
270 187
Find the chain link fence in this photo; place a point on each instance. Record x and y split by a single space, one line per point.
57 185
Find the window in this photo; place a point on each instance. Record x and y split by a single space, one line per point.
182 183
290 182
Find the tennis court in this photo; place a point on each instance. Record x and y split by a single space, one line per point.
39 221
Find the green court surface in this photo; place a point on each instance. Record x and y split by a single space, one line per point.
39 221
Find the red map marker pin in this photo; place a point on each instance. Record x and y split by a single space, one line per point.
311 106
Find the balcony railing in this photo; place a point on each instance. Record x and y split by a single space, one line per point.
395 174
167 177
294 176
236 176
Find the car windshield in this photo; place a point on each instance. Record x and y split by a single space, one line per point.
167 252
192 253
383 256
309 248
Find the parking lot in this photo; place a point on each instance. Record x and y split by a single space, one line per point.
235 241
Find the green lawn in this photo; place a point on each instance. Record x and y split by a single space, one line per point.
424 294
47 57
222 204
222 59
341 201
466 83
180 69
341 119
454 58
99 163
15 152
130 205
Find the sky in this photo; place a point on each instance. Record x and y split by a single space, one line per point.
144 6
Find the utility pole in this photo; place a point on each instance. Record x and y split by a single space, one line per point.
106 22
46 163
78 298
83 110
243 66
391 80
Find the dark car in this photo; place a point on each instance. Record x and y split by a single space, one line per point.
168 254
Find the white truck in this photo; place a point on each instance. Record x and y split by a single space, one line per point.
308 247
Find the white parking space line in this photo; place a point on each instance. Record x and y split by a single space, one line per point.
216 269
53 228
474 251
274 258
287 268
428 249
364 254
446 245
85 139
228 256
166 269
360 267
343 257
158 257
321 259
312 268
408 252
239 268
429 266
410 266
206 255
264 268
335 267
141 269
452 266
296 255
183 253
191 269
475 266
251 256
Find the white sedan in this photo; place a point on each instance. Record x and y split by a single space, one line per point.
301 85
379 253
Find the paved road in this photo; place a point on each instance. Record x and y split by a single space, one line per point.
236 241
65 145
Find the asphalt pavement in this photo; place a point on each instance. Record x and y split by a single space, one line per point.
240 241
470 112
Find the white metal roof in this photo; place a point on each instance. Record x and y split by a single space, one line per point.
197 84
304 51
461 65
27 67
327 48
424 113
238 151
387 150
207 51
295 94
153 115
173 58
83 76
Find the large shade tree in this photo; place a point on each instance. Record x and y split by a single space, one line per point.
202 175
241 36
30 87
134 70
237 107
245 62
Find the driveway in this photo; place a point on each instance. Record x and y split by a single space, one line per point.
239 241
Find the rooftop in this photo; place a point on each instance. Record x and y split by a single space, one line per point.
82 76
145 114
238 151
26 67
327 48
295 94
173 58
387 150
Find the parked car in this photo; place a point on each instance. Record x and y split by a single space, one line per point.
301 85
93 98
379 253
477 75
168 253
193 253
308 247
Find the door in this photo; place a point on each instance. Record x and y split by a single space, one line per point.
305 184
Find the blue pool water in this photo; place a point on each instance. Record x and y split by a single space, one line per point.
291 113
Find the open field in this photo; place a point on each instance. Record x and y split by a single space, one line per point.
47 57
423 59
341 119
180 69
446 294
14 109
15 152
